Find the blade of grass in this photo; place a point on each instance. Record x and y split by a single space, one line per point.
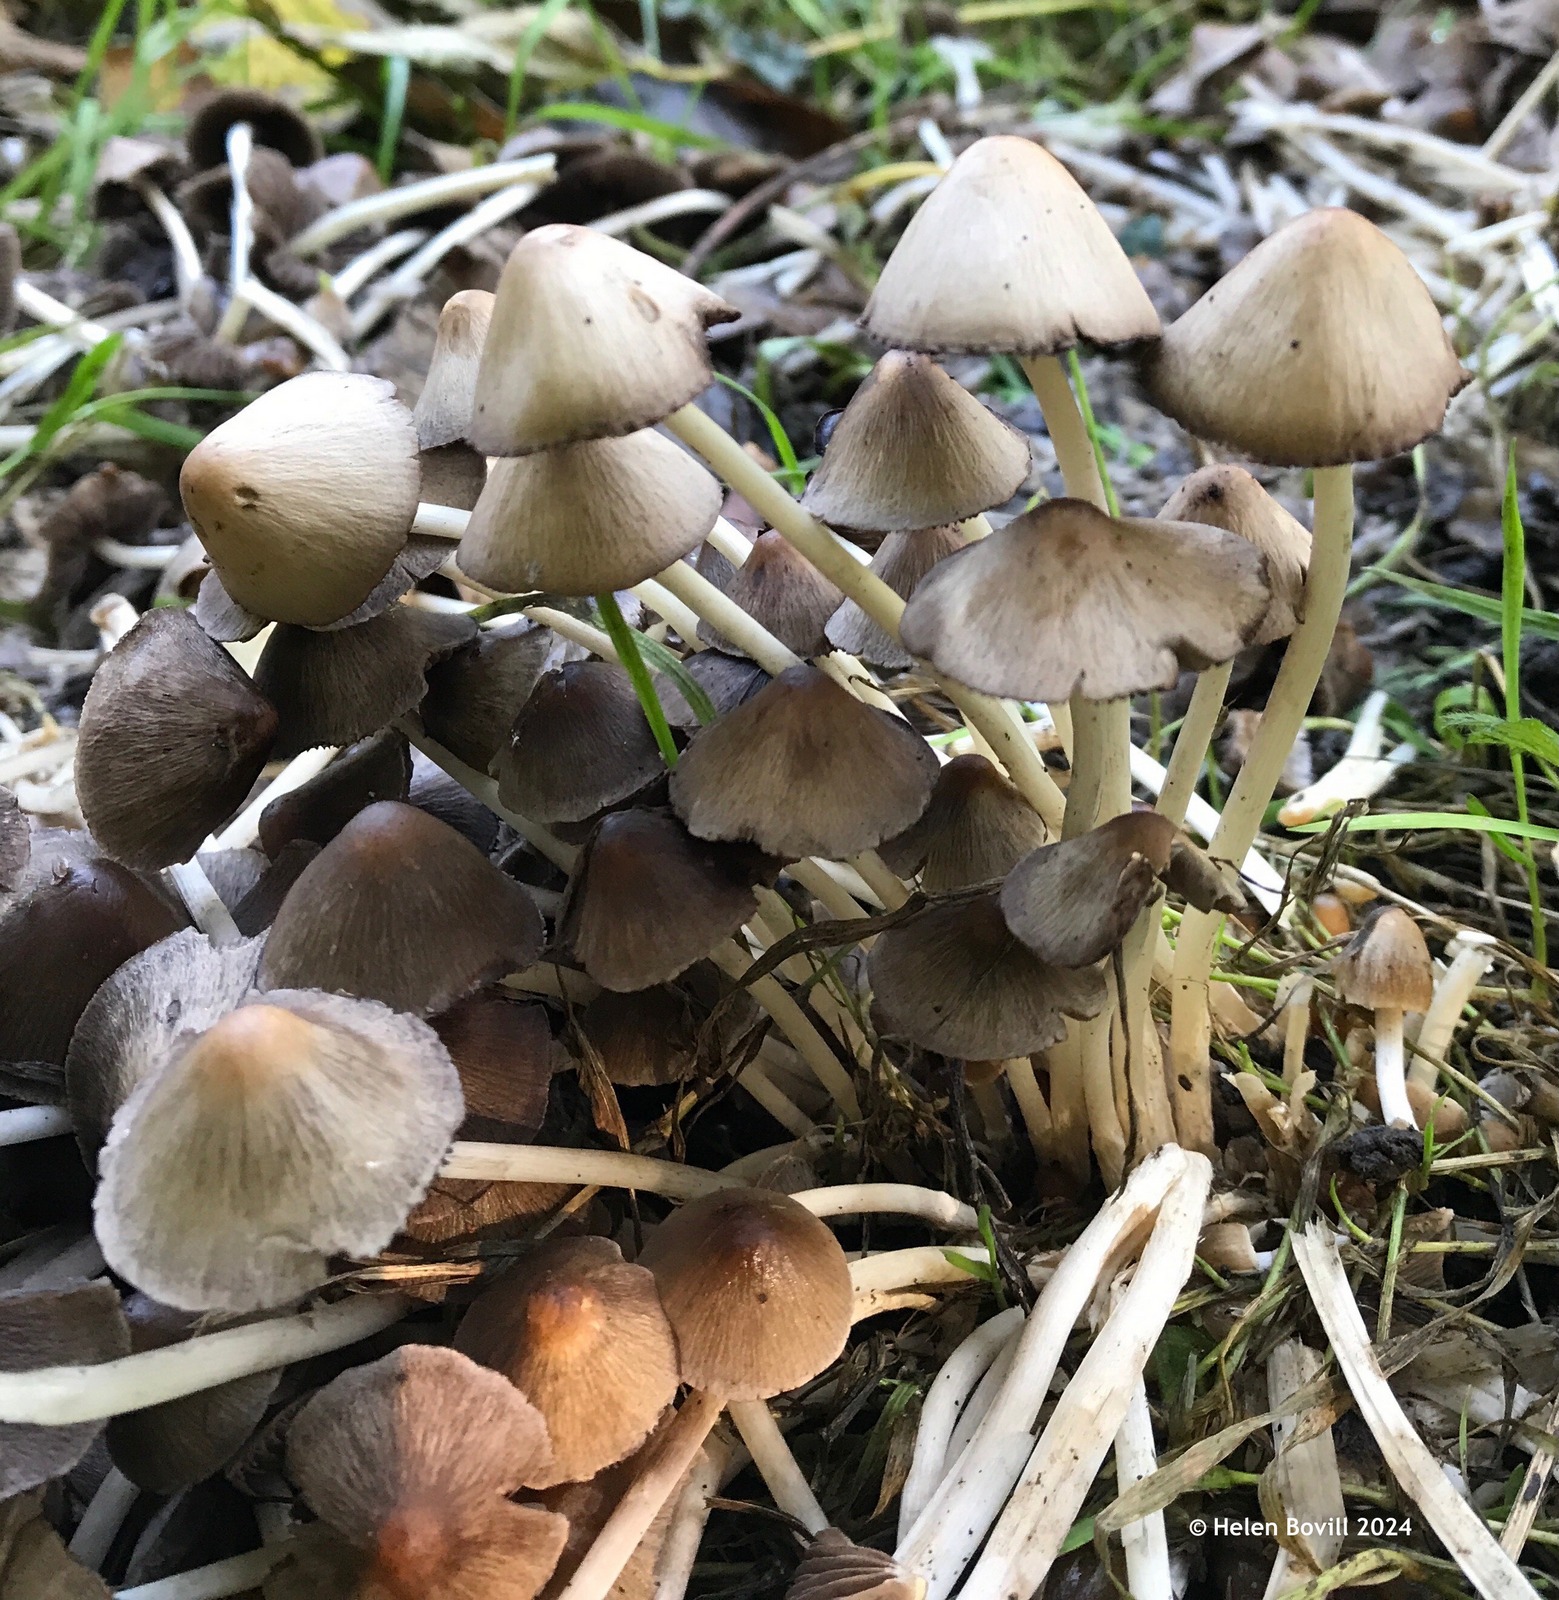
626 643
397 79
523 51
667 661
1544 624
1074 369
632 122
1434 821
783 448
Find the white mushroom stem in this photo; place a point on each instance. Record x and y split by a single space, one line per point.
244 829
776 1465
921 1266
935 1206
981 1401
357 273
204 904
1390 1076
1036 1114
1145 1542
1305 1474
1296 1028
1472 960
102 1519
944 1401
235 1575
1326 584
756 1081
240 146
1193 741
187 269
679 1551
28 1123
292 319
59 1395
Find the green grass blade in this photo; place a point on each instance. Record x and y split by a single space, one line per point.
1431 821
783 448
523 51
669 663
397 80
1074 369
626 643
1486 608
632 122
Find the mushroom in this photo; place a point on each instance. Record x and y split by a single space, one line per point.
474 694
443 410
1386 967
902 561
834 1567
319 808
726 680
505 1054
274 123
785 593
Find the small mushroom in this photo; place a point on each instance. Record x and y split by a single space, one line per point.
902 561
975 830
443 409
276 125
1386 967
784 592
474 695
834 1567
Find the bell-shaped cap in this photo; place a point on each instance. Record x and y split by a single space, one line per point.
505 1054
173 736
1073 902
124 165
434 791
804 769
409 1460
641 1037
976 829
340 686
953 979
443 409
399 908
1065 600
452 475
914 448
590 339
1322 346
276 125
783 591
181 985
726 681
1226 496
834 1567
580 743
83 1325
1008 254
647 900
299 1127
305 498
589 518
1386 965
757 1290
901 561
474 695
582 1336
317 810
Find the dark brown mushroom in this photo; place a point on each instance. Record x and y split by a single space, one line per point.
276 125
779 587
475 694
376 769
975 830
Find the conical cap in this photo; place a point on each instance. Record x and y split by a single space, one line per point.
976 829
1321 346
1386 963
834 1567
474 695
901 561
778 587
590 339
443 409
914 448
1008 254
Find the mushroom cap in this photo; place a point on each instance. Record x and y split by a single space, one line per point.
318 809
1226 496
173 736
647 899
1008 254
902 561
1065 600
834 1567
757 1291
954 979
1386 965
642 1037
590 339
589 518
778 586
399 908
505 1054
804 769
298 1127
726 680
452 475
276 124
1074 901
912 449
582 1335
976 829
475 694
443 409
305 498
123 161
1322 346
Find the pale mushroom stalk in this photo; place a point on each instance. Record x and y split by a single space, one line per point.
27 1123
1145 1542
679 1552
240 145
204 904
102 1519
1390 1075
1039 1119
186 253
983 1398
233 1575
776 1465
1325 587
1470 963
1191 743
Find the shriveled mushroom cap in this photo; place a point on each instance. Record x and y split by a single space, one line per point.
589 518
802 769
443 409
901 561
399 908
590 339
647 900
914 448
976 829
452 475
579 743
305 498
582 1335
1073 902
124 162
834 1567
505 1054
475 694
1066 600
955 980
1008 254
317 810
1322 346
276 124
757 1290
778 586
1226 496
301 1126
173 736
1386 965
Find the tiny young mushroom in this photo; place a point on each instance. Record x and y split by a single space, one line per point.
276 125
902 562
784 592
453 474
1386 967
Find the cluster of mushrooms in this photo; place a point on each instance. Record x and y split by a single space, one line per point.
688 737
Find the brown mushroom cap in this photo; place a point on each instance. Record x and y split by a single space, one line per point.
475 694
641 1036
778 586
726 680
1066 600
582 1335
276 125
1386 965
452 475
376 769
834 1567
955 980
976 829
443 409
505 1054
300 1126
304 499
902 561
590 339
173 736
803 769
1225 496
34 1560
913 449
1008 254
122 162
757 1291
1321 347
1074 901
399 908
647 900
